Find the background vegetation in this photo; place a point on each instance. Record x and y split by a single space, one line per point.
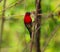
16 37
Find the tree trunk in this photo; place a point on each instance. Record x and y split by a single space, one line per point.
38 24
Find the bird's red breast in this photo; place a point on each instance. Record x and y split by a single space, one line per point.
27 19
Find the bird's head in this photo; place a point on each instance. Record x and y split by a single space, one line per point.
28 14
27 18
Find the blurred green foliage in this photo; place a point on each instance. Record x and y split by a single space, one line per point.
16 36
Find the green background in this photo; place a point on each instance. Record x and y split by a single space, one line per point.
16 37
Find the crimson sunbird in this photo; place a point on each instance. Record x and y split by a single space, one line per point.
28 22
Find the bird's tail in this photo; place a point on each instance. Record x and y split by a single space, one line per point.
29 27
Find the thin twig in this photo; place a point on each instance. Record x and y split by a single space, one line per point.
18 2
32 39
50 38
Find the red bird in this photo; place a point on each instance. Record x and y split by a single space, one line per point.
28 22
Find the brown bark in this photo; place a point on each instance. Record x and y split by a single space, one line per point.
38 24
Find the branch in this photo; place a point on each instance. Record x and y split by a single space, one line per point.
50 38
2 23
32 39
18 2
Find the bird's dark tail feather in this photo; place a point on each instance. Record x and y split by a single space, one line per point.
29 27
